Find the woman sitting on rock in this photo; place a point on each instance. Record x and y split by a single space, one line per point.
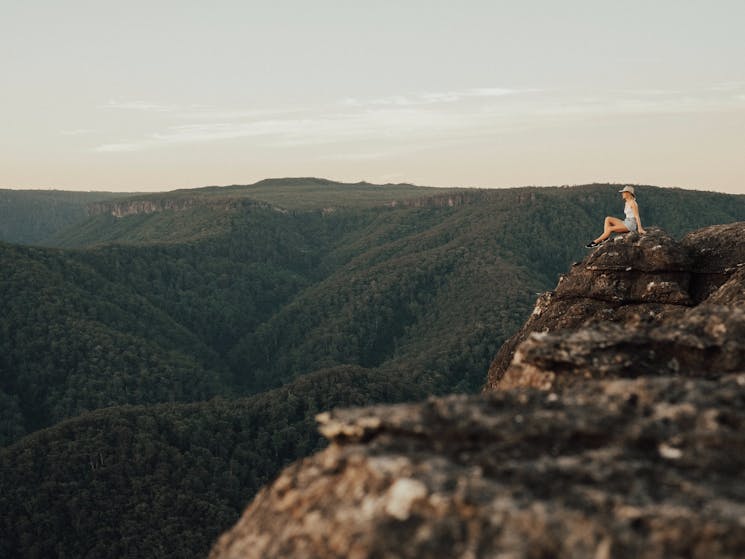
615 225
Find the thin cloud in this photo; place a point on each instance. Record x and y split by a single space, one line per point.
728 86
122 147
641 103
434 118
76 132
195 111
650 92
144 106
211 113
385 124
428 98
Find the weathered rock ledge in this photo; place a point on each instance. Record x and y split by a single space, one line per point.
621 468
635 306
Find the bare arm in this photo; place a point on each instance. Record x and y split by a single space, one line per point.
635 207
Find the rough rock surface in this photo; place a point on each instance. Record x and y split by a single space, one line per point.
622 468
642 284
706 342
716 252
626 437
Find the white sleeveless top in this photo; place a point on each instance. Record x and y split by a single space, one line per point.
629 211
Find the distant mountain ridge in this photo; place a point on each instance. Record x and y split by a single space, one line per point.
40 216
282 194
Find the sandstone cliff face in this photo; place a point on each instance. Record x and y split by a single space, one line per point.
449 200
623 435
156 204
124 208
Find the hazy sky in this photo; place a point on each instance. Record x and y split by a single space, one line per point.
155 95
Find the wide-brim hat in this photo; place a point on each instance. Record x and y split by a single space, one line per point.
629 189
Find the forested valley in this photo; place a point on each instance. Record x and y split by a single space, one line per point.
163 356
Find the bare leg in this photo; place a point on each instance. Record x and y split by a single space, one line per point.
611 225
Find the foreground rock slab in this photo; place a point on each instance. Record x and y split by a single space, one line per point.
642 468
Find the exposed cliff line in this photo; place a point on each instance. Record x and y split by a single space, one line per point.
124 208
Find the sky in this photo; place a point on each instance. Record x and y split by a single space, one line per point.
157 95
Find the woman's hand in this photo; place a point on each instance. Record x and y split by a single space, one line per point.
641 231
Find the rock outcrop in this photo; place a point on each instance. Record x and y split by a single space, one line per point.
449 200
705 342
623 435
152 204
624 468
647 303
717 252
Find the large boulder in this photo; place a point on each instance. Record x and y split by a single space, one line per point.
716 252
732 292
708 341
641 468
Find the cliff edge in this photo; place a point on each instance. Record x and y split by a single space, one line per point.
636 306
613 425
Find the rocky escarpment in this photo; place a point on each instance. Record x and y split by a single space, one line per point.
449 200
635 306
623 434
136 206
149 205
